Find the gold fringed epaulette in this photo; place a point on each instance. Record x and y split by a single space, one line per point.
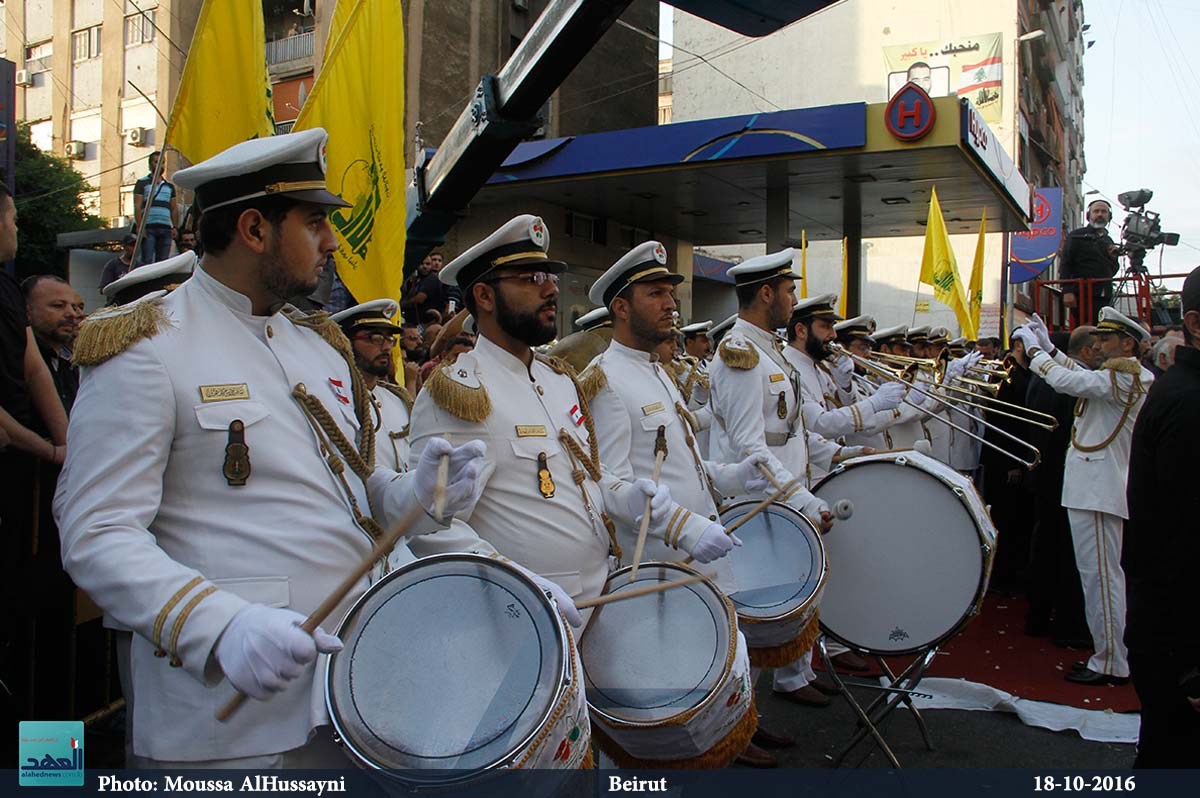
592 381
468 402
738 358
1123 364
329 330
559 365
110 332
399 391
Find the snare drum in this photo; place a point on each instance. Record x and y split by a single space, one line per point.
911 566
455 665
780 570
667 675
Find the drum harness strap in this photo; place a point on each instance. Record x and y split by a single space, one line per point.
1127 403
794 379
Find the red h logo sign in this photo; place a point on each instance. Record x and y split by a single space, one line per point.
906 113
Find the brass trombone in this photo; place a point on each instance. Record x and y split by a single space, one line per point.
891 374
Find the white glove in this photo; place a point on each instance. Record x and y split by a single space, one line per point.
1028 337
565 605
713 544
263 649
748 474
466 464
1042 332
887 397
842 371
660 503
957 366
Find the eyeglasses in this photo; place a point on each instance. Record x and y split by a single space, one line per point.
536 278
377 339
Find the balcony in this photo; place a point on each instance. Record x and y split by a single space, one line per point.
290 54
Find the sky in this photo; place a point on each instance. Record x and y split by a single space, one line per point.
1141 114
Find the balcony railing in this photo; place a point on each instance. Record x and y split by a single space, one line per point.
290 48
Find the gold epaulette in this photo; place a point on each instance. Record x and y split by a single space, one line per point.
398 391
1123 364
450 388
592 381
738 358
111 331
329 330
559 365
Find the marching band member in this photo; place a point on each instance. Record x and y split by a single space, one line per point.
238 500
696 342
832 410
698 349
756 401
546 501
372 332
594 319
1097 466
909 425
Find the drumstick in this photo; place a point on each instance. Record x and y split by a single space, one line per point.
766 472
382 547
660 454
838 458
439 489
656 587
758 508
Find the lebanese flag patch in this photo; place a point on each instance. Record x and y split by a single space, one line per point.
339 390
576 415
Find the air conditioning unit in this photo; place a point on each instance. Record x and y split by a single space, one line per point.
136 137
24 78
76 150
119 222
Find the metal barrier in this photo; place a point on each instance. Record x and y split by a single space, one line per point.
1131 294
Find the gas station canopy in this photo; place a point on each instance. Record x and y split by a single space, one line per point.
844 172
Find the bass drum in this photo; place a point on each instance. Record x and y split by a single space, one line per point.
453 666
780 573
911 566
667 675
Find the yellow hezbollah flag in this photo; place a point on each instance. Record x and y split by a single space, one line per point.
845 277
803 265
337 23
975 289
940 270
225 94
359 99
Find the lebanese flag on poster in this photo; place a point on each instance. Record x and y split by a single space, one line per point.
985 74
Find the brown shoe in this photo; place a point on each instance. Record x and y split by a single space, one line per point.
768 739
849 661
755 757
807 696
826 685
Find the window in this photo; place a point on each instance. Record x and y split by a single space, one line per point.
85 44
586 228
139 28
38 57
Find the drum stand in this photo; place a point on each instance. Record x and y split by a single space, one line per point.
899 690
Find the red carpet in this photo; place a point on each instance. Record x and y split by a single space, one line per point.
992 649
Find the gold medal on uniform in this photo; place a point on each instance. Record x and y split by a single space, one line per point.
545 481
781 406
237 455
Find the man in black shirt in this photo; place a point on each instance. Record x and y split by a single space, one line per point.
1162 547
1088 253
55 310
118 267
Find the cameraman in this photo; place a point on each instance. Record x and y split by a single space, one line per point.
1088 253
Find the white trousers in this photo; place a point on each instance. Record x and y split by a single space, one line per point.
1097 538
319 753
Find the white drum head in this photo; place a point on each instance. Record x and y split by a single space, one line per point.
906 570
452 662
650 658
780 565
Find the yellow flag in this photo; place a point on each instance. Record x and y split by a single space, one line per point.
225 94
359 99
803 265
975 289
337 22
845 277
940 270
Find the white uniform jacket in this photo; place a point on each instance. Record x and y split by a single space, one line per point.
531 508
638 396
392 406
156 530
756 410
830 411
1110 399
